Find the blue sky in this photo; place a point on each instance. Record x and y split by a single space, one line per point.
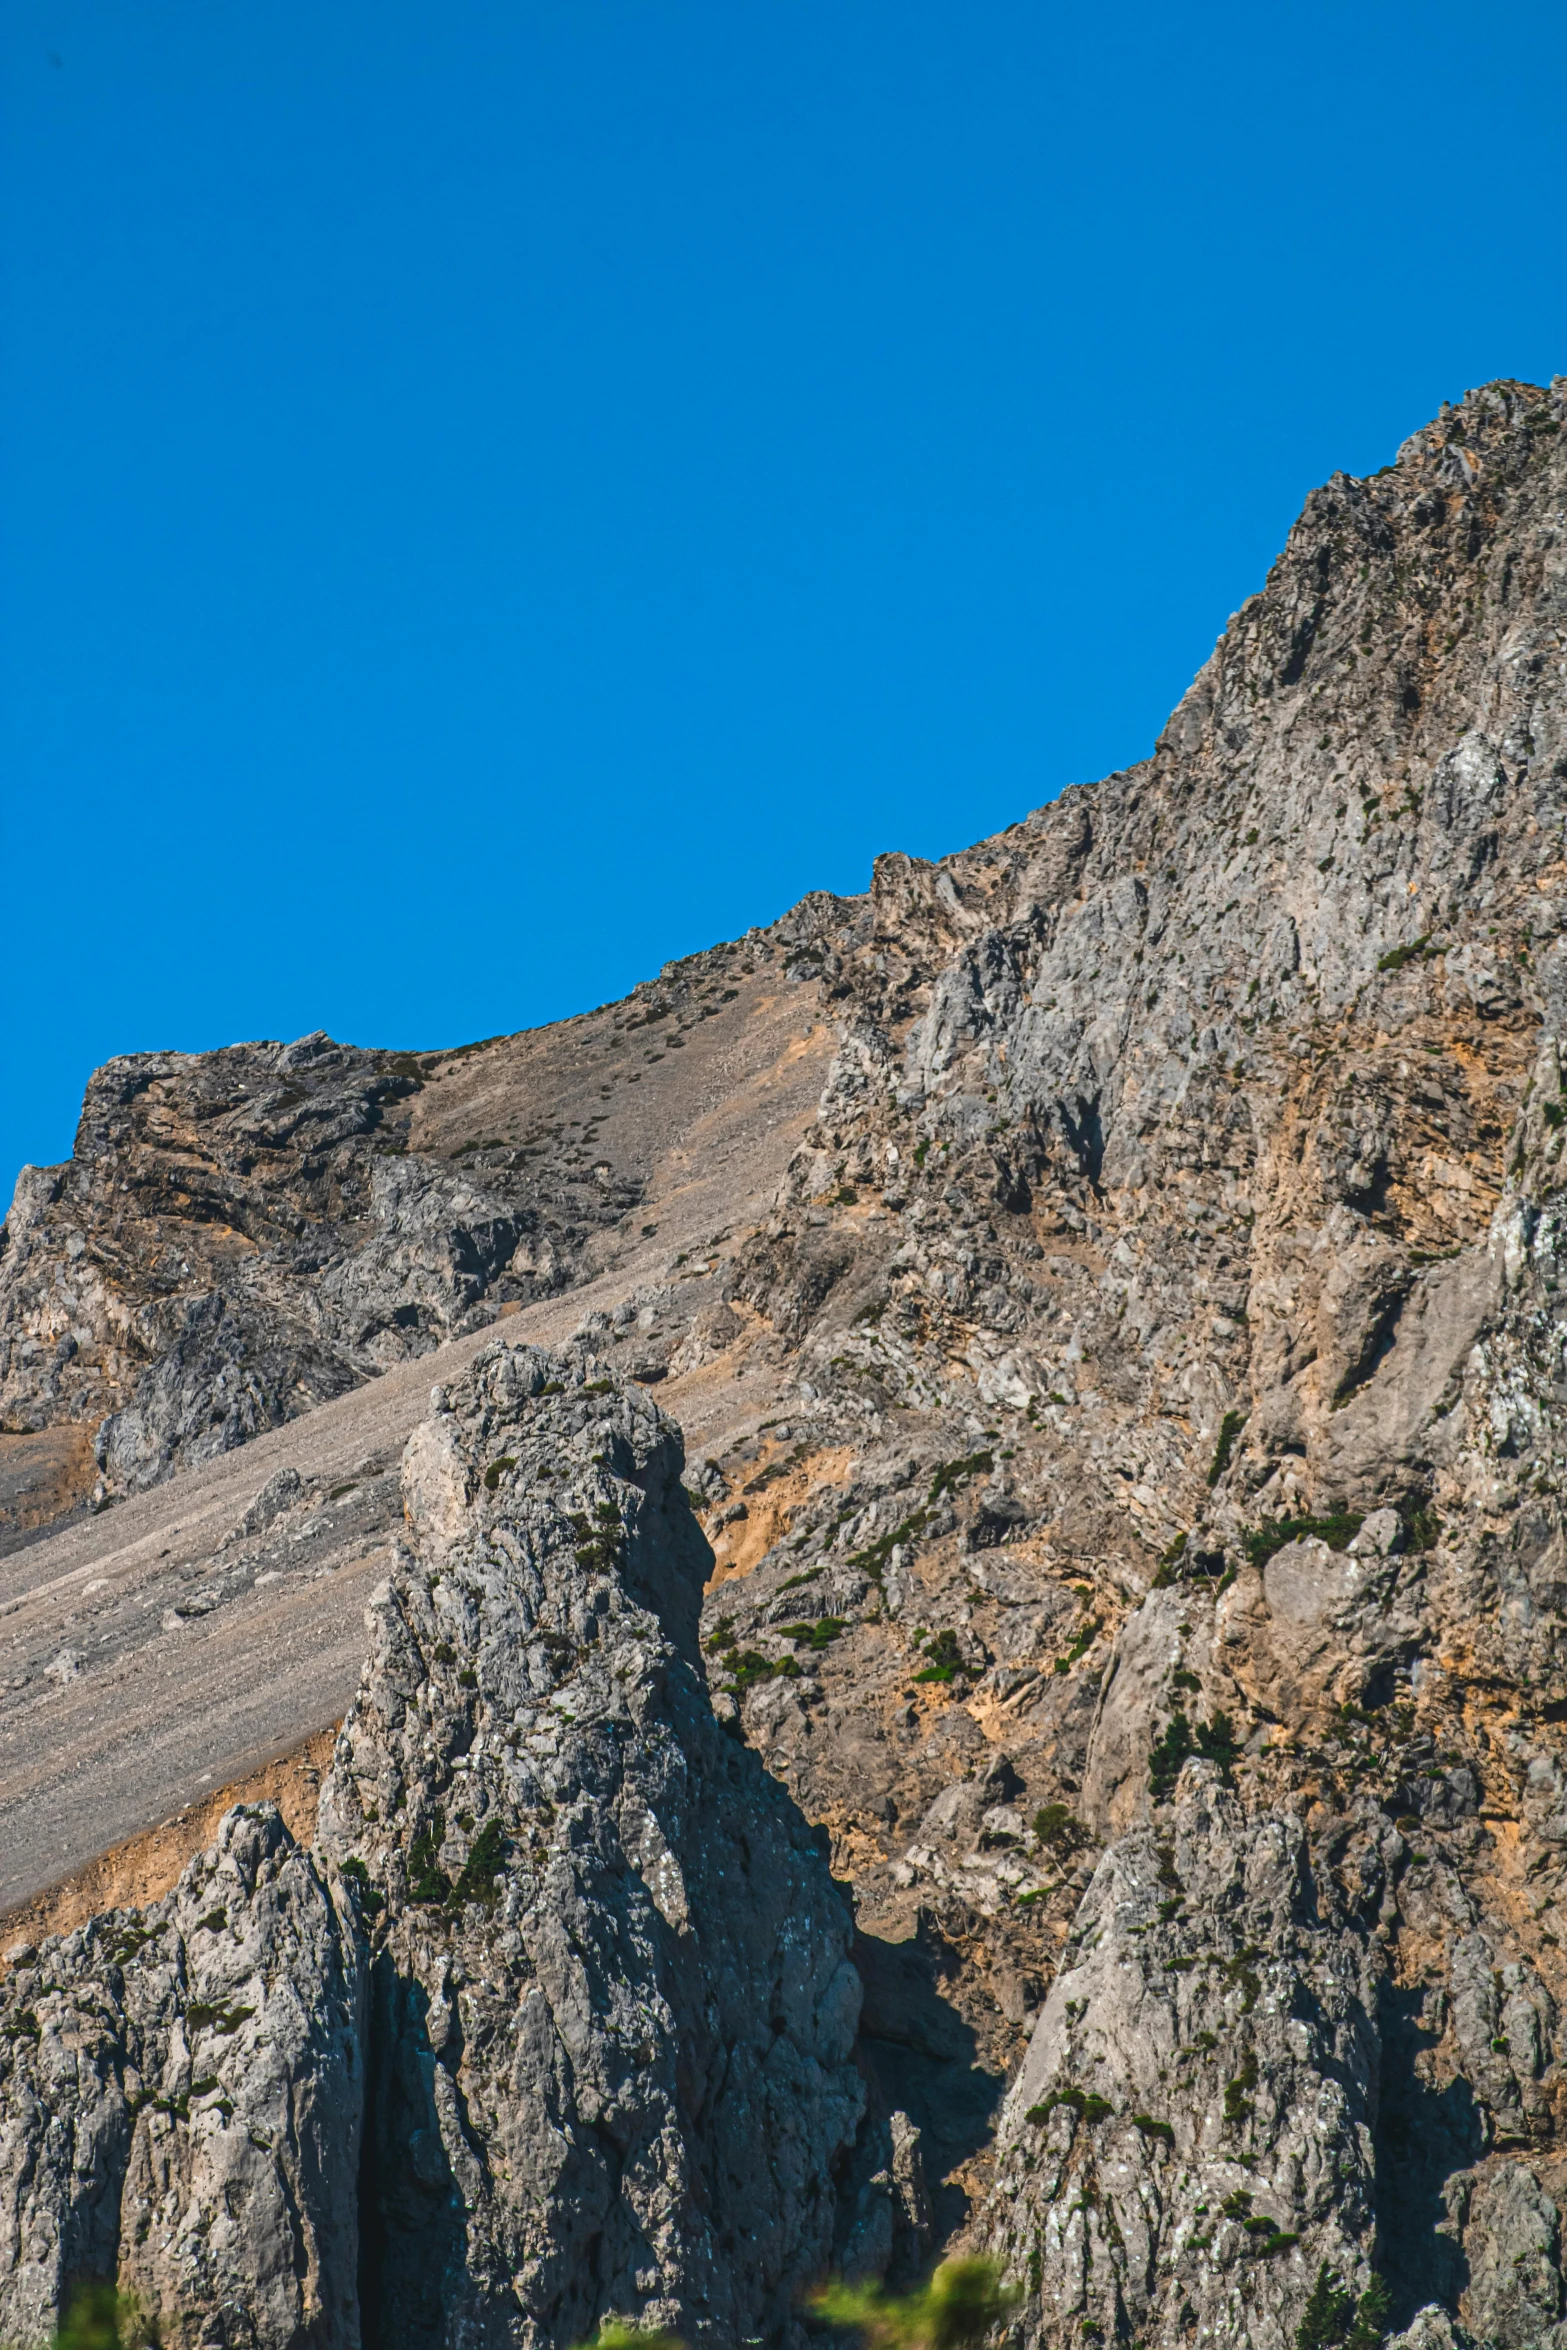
493 496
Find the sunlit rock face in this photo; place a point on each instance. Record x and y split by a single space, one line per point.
1134 1490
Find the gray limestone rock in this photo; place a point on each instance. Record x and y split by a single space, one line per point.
1512 2239
614 2007
1191 2130
555 2023
181 2099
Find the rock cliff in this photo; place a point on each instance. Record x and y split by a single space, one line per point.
554 2022
1138 1541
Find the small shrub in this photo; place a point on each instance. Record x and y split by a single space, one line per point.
1337 1529
751 1668
202 2017
368 1898
1212 1741
872 1561
815 1636
1169 1561
1373 2315
615 2334
1229 1428
1327 2315
952 1474
1086 1635
426 1881
945 1658
1237 2099
497 1470
1085 2103
477 1878
960 2305
1422 1527
1059 1830
99 2318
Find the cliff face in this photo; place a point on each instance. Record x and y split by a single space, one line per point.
556 2019
1136 1516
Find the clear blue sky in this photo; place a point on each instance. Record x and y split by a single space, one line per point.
496 495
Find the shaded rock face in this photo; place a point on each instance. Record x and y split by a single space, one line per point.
555 2022
1153 1497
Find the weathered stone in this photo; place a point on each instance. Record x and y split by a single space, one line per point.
556 2022
181 2099
1153 1353
1191 2129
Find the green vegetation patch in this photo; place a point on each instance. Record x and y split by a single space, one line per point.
1337 1529
1229 1429
480 1872
952 1474
943 1658
201 2016
1059 1830
815 1637
371 1901
1085 2103
426 1881
1237 2095
1212 1741
1334 2320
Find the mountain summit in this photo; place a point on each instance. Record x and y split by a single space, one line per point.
1104 1287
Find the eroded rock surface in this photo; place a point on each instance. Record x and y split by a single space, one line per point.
1191 2134
181 2104
555 2022
625 2083
1153 1445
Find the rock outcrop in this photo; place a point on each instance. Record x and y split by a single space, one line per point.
1191 2134
181 2104
1144 1558
555 2022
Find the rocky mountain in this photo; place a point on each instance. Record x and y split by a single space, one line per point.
1107 1279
